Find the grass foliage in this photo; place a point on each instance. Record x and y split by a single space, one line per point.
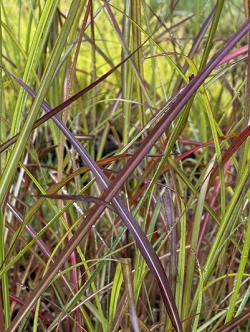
124 165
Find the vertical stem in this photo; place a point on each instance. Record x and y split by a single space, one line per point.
4 283
128 280
93 65
241 269
4 280
193 245
209 45
126 74
2 108
247 112
246 147
136 11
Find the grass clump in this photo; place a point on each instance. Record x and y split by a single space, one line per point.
124 165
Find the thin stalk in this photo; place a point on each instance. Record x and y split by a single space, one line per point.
128 280
2 108
209 45
243 263
126 73
93 66
181 260
136 13
212 31
194 242
4 281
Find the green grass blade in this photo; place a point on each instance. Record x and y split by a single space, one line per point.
37 46
4 279
19 148
243 262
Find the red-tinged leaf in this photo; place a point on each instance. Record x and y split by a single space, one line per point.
236 322
233 148
45 317
235 54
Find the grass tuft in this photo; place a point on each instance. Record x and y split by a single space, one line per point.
124 165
